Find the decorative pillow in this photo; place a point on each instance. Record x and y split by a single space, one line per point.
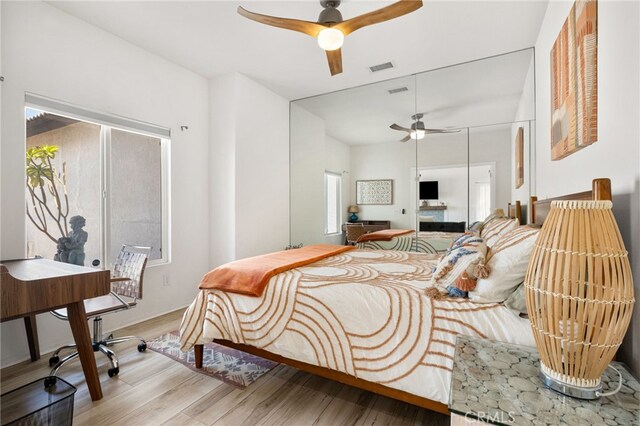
476 227
458 263
495 228
516 301
506 263
496 214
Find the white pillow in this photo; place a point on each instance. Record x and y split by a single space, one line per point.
463 255
507 262
495 228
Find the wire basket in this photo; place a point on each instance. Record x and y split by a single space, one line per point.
47 401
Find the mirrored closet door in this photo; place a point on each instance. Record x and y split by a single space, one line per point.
435 151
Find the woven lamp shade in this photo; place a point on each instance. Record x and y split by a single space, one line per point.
579 292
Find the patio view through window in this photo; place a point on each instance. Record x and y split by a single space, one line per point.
114 178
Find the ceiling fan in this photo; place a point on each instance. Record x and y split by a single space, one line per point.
331 29
417 130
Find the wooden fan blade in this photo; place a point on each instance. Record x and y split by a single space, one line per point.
394 10
406 138
441 131
306 27
335 61
394 126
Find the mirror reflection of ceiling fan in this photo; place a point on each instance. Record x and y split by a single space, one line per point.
331 29
417 129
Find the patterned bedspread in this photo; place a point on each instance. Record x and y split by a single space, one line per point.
427 242
361 312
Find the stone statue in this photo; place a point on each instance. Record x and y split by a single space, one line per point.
71 247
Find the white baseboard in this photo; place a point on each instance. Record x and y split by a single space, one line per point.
53 347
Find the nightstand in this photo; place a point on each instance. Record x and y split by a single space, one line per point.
498 383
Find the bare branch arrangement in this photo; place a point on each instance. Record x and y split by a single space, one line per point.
46 184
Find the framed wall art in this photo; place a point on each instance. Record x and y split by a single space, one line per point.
374 191
574 81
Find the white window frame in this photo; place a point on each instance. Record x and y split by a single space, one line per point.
338 202
107 122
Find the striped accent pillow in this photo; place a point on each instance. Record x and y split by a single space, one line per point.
507 261
496 227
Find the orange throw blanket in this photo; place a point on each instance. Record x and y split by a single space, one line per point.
250 276
384 235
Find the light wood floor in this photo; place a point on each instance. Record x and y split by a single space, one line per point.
152 389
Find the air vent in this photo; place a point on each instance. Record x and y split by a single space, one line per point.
381 67
398 90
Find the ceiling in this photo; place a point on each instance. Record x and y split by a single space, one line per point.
477 93
211 39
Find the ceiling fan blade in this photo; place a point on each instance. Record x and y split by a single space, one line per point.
394 10
406 138
306 27
394 126
441 131
335 61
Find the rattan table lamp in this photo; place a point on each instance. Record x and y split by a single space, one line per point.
579 294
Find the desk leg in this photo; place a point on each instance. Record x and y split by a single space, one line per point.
32 337
78 322
199 353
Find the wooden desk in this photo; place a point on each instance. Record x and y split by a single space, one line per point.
371 225
34 286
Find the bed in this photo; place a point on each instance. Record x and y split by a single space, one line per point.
360 317
428 241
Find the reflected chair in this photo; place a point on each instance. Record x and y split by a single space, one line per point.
354 231
126 289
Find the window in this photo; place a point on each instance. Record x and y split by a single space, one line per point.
332 202
109 170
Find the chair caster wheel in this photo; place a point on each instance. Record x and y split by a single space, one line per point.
50 381
54 360
142 347
113 371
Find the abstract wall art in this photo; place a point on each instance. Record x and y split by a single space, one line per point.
374 191
574 81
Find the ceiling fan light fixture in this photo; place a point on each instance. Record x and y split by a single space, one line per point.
417 134
330 39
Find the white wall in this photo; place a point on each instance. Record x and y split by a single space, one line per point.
249 161
221 181
616 154
262 170
524 118
307 176
50 53
391 160
338 157
312 153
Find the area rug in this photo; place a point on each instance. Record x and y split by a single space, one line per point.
229 365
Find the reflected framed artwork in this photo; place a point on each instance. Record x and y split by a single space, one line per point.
574 81
374 191
519 157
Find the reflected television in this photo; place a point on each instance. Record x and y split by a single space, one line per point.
429 190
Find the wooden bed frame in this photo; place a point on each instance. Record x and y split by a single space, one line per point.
327 373
515 210
601 190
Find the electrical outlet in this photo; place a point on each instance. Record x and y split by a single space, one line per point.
165 280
